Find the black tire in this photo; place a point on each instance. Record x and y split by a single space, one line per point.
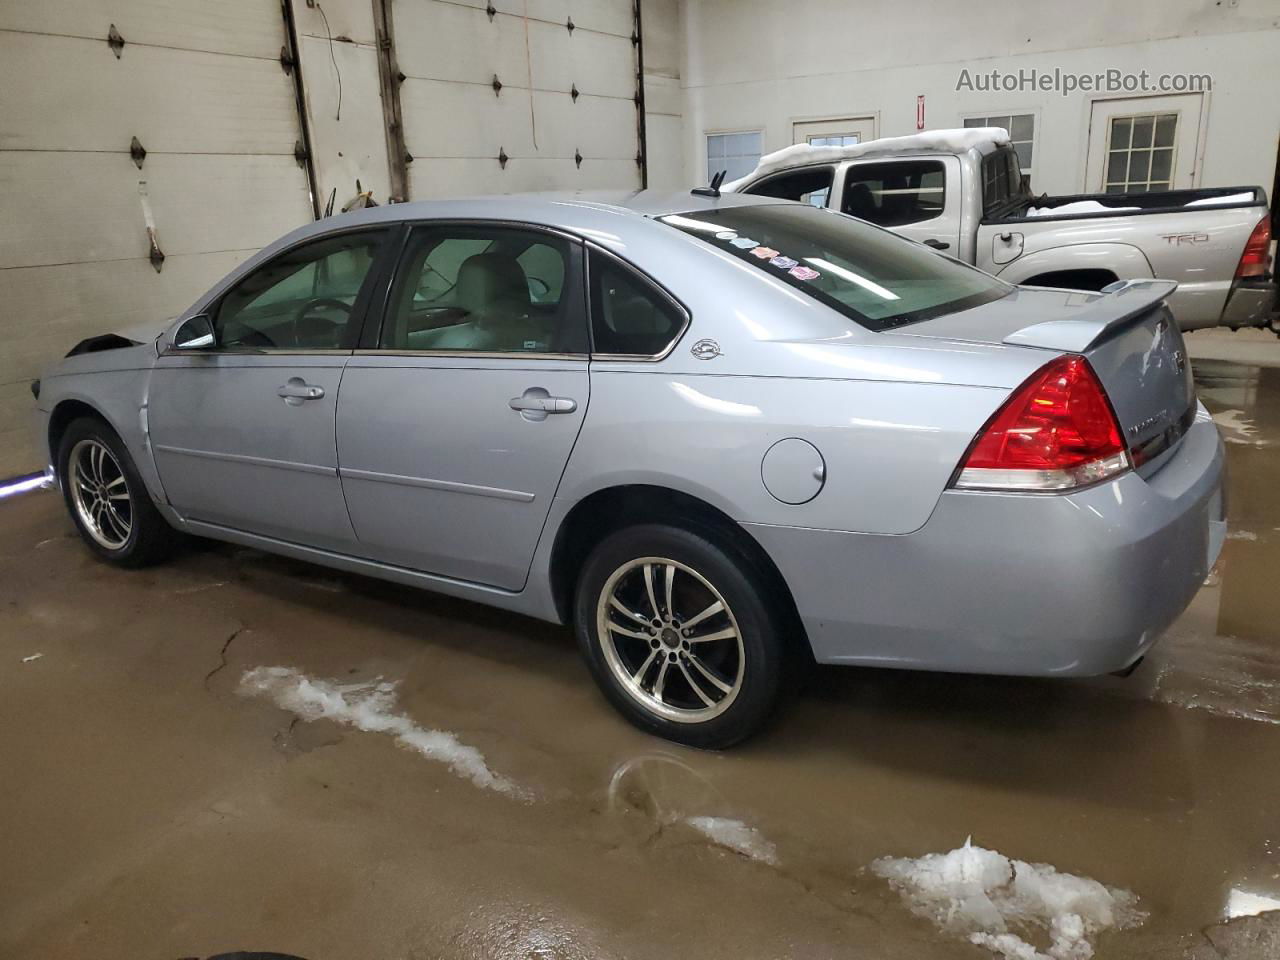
150 539
708 562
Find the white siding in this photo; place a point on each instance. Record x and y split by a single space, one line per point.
199 83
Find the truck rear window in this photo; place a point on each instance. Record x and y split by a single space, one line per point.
873 277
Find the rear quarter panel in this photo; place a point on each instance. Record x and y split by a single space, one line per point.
888 448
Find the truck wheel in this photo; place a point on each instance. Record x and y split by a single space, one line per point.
107 499
679 636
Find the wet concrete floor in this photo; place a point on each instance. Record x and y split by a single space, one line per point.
150 809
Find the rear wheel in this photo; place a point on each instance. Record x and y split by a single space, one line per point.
107 499
679 635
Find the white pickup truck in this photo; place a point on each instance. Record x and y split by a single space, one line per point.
961 192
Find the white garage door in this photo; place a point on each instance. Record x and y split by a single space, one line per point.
199 83
457 123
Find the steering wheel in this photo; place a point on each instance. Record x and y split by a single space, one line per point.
329 338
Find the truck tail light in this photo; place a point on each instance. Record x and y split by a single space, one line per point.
1256 259
1055 432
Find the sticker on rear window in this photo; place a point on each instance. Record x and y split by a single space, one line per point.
765 253
783 263
743 242
726 235
804 273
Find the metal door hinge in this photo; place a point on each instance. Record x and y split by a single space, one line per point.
490 10
573 93
137 151
115 41
570 27
497 85
286 61
502 158
300 153
577 158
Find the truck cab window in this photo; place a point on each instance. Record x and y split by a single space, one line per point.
895 193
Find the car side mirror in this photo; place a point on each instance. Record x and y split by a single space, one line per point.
195 333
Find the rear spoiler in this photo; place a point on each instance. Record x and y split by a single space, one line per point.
1123 300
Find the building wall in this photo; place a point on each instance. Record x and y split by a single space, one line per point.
756 65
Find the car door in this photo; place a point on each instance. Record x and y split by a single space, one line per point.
455 423
908 196
242 430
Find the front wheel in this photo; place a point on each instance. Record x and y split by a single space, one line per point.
679 635
107 499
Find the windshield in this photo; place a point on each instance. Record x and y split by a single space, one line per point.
872 276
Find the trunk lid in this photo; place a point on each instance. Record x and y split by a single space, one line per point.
1129 337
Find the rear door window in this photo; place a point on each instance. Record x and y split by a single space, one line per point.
630 316
894 194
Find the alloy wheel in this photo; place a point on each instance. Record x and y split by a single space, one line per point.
670 639
100 493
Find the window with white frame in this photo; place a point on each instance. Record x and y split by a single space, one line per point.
1022 133
735 153
1140 153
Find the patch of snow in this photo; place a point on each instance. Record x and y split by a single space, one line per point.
1079 206
368 707
1240 427
1219 201
941 141
997 902
736 836
34 656
1242 535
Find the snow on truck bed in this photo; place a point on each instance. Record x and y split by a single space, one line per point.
943 141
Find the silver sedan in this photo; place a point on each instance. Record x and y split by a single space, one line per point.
718 435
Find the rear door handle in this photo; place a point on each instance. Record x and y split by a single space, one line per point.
535 404
296 391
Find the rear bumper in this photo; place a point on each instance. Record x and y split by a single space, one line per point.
1251 303
1073 585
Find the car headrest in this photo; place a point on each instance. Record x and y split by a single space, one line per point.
859 201
489 281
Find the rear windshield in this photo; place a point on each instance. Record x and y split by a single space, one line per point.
872 276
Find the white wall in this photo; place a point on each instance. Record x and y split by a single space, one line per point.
664 52
753 64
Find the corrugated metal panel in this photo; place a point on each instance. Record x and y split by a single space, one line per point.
199 83
450 52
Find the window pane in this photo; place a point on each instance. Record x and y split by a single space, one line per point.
628 315
1139 166
896 193
975 122
485 290
1142 130
1022 127
801 185
1024 156
1161 164
1166 128
871 276
302 300
735 153
1121 128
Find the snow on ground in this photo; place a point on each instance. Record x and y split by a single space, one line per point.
1242 535
1003 904
736 836
1236 427
369 707
1079 206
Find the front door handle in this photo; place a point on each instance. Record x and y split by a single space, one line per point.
535 404
937 244
297 391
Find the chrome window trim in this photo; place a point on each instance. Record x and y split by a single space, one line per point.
592 247
253 352
475 354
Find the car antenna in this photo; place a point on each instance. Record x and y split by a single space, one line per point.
713 190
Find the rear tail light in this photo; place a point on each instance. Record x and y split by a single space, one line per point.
1055 432
1256 259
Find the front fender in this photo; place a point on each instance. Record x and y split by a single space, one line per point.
1125 260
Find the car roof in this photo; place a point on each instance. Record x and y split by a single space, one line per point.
579 211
